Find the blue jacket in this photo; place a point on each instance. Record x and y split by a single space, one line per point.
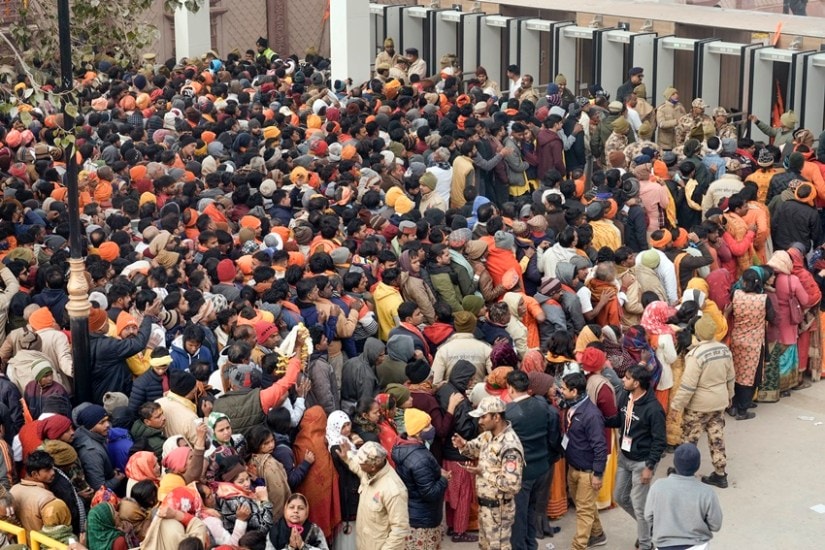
120 441
181 359
420 472
586 449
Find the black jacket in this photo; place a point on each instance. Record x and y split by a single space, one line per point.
146 387
108 360
635 232
91 449
793 221
647 429
464 425
537 426
420 472
10 399
586 449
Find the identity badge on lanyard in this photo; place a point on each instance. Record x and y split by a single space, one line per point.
627 441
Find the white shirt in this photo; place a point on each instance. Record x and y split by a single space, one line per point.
514 85
444 181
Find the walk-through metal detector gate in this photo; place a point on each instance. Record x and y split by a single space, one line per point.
577 55
775 73
813 94
385 22
455 32
527 45
416 30
707 71
664 63
493 45
618 50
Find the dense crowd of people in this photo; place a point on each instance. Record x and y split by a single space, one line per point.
328 315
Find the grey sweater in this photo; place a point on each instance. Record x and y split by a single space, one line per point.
682 511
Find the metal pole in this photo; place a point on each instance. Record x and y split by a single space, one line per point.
77 287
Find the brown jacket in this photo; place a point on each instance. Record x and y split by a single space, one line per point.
414 289
30 501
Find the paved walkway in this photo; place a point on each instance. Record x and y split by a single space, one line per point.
775 471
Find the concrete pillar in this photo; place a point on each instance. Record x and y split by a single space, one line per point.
193 32
349 39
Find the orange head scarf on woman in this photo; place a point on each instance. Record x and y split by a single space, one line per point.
142 465
805 277
321 488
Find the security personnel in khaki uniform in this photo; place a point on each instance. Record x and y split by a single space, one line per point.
387 55
618 138
724 129
498 473
696 117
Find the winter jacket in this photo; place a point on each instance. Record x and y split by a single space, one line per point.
779 182
387 300
324 389
416 290
667 117
230 498
152 438
93 455
555 320
537 427
550 152
793 221
647 428
707 381
463 424
462 346
10 397
358 377
55 299
586 449
284 454
182 359
445 286
108 360
383 520
421 474
118 447
10 287
146 387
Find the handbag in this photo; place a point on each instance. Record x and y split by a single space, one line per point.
795 309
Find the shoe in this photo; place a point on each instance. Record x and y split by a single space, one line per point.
464 537
802 386
595 541
716 480
551 530
670 470
637 543
785 393
732 411
752 405
670 449
745 416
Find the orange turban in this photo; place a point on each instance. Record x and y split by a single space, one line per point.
42 318
662 242
109 251
251 222
97 319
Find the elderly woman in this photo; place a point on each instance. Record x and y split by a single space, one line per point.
789 301
662 339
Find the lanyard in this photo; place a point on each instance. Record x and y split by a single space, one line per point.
628 419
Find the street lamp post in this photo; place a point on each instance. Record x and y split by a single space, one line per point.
78 287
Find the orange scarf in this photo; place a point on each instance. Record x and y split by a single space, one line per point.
611 313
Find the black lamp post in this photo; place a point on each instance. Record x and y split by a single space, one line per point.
78 287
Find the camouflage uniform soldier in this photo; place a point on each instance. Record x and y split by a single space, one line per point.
635 149
724 129
498 474
618 138
696 117
704 392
